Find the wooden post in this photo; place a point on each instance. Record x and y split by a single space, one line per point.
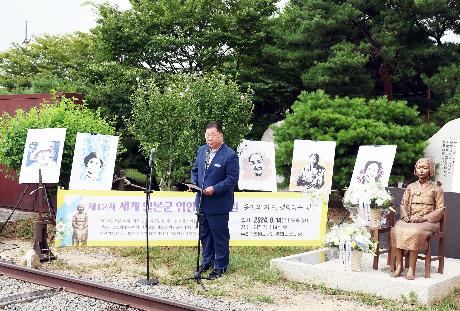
41 246
121 182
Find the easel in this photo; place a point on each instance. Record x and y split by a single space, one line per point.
41 246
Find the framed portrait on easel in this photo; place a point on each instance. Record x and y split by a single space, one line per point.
312 165
373 165
93 162
43 150
257 166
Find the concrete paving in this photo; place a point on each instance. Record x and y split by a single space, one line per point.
321 267
5 213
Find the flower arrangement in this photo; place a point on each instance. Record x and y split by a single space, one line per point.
373 193
359 237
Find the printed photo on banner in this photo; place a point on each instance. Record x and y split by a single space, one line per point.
257 166
373 165
72 222
312 165
456 170
43 150
93 162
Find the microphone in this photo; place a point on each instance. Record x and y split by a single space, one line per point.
152 152
207 157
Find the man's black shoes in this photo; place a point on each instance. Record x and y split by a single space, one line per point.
216 273
204 268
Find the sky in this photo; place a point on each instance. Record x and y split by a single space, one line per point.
58 17
55 17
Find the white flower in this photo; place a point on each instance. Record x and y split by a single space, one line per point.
357 234
367 193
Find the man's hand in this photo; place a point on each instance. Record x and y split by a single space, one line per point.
405 219
208 191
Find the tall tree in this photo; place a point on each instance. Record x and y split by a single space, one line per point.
196 36
188 36
49 62
338 44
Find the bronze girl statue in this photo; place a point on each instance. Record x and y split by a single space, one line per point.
422 208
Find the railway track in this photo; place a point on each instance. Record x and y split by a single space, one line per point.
91 289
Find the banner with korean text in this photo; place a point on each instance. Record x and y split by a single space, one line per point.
117 218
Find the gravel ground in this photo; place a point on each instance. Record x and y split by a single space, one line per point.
61 301
69 301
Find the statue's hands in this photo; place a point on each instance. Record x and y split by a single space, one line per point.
405 219
417 219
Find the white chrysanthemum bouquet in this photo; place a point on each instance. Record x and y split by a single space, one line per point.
359 237
375 194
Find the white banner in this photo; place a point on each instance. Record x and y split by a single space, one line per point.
104 218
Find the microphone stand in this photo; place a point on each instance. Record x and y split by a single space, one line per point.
197 275
148 191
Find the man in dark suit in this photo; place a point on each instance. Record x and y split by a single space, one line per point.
216 171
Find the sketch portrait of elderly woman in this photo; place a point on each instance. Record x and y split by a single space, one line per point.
42 150
371 173
41 155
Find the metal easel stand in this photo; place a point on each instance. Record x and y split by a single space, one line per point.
14 208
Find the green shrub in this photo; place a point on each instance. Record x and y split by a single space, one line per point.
64 114
135 175
353 122
172 119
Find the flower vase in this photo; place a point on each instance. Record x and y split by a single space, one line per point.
376 217
356 260
373 219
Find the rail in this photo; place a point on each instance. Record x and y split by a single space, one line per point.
94 290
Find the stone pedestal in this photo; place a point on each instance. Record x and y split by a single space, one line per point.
322 267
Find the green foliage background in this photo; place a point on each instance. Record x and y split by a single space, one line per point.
352 122
64 114
172 119
348 48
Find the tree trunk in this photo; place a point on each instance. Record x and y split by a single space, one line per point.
386 79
